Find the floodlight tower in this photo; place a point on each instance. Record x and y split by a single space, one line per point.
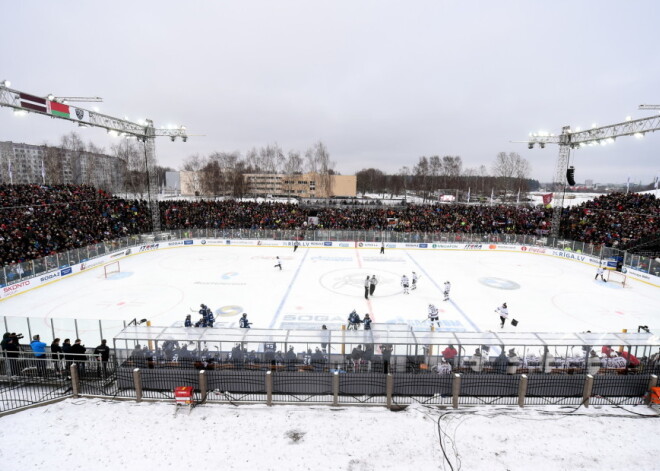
56 107
571 139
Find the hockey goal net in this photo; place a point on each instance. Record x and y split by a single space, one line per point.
615 277
111 268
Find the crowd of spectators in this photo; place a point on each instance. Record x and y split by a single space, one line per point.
40 220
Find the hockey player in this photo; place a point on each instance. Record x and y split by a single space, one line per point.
244 323
278 264
503 311
188 321
382 248
354 320
434 316
447 288
414 280
210 318
296 244
367 322
405 283
372 285
444 367
600 272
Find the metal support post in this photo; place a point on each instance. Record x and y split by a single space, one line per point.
335 389
75 380
389 389
455 390
137 383
522 391
203 386
269 388
588 387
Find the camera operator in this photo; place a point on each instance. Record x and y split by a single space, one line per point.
12 347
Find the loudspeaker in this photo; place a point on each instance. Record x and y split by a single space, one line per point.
570 176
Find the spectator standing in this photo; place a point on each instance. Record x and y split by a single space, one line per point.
501 363
39 349
12 347
56 355
66 350
386 352
548 362
103 353
78 355
477 361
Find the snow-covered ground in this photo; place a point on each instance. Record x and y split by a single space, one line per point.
105 435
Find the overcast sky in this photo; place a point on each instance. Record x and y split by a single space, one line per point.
381 83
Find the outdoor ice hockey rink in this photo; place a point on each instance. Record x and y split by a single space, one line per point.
317 286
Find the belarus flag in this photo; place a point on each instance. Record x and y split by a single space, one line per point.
58 109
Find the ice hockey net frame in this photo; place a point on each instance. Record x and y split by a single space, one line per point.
111 268
614 276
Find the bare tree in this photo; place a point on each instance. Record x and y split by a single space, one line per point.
511 169
318 161
292 167
74 148
421 173
53 165
194 165
131 153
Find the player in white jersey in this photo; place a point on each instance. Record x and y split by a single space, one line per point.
406 284
600 272
278 264
503 311
447 288
434 315
414 280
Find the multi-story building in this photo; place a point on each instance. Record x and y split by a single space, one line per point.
29 164
307 185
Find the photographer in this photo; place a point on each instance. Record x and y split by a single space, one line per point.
12 347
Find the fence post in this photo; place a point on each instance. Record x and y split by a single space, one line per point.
653 382
137 382
588 387
269 388
335 389
389 389
522 391
203 386
455 390
75 380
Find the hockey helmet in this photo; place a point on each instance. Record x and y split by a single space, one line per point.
245 314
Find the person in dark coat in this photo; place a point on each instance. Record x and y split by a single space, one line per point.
386 351
501 362
77 352
56 355
291 358
12 348
66 350
103 351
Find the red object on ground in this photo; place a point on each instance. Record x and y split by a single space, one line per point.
183 395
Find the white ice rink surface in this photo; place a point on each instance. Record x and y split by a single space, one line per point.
322 285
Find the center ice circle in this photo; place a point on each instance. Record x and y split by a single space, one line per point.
498 283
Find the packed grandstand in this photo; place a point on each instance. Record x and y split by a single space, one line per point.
41 220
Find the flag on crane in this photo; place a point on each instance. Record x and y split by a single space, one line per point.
34 103
58 109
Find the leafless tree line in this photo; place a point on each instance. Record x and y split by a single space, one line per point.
435 175
223 173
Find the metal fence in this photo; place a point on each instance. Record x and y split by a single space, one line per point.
19 271
26 381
